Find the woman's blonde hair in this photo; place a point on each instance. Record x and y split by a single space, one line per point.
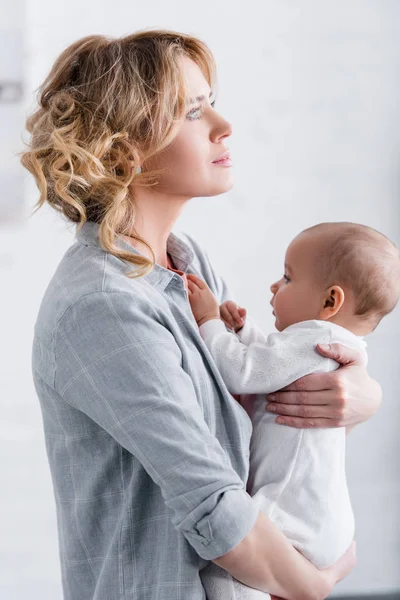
106 106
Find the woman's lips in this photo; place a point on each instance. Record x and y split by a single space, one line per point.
223 161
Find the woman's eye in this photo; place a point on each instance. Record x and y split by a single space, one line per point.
195 113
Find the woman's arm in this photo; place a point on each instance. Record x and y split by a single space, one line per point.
267 561
342 398
120 365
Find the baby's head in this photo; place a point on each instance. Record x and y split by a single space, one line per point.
345 273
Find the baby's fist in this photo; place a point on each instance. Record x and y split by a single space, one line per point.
203 303
233 315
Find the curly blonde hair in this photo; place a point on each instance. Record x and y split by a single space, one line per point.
107 106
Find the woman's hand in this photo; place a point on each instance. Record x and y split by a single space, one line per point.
203 303
339 570
344 565
339 398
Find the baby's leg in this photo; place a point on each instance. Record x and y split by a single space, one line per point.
220 585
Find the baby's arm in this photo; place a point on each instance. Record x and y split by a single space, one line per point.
268 364
234 317
264 365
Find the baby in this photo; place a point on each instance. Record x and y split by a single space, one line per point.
340 279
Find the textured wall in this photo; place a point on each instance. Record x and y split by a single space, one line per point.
313 92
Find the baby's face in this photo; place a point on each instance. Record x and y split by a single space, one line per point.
296 296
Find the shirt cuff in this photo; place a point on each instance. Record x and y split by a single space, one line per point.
244 334
211 328
229 523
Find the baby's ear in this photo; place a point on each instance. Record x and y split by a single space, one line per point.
332 302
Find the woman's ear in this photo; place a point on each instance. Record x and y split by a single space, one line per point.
332 302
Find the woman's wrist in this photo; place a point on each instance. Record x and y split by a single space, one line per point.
266 560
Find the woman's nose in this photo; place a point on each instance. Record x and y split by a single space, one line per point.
222 129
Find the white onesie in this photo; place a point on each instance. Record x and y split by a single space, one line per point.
297 476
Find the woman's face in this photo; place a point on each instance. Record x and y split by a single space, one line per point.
191 160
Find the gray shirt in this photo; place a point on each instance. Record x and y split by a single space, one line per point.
148 451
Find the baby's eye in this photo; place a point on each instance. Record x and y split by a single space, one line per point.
286 278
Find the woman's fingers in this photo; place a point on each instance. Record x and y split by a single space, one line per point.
326 405
342 354
306 411
300 423
323 397
313 382
336 399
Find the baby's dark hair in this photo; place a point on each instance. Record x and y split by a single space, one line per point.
363 260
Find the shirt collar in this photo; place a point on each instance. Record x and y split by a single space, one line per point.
159 276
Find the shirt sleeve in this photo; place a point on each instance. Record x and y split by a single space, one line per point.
251 334
265 365
119 364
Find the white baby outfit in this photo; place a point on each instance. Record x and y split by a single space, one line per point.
297 476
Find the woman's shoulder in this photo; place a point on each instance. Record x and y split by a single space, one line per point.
86 273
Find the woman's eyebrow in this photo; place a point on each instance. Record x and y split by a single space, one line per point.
200 98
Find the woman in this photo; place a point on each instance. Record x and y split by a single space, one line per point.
148 451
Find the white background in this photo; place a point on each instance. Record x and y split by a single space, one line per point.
312 89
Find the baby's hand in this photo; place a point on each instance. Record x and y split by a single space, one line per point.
233 315
203 303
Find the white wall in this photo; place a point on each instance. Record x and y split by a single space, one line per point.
313 92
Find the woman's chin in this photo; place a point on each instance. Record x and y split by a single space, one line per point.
221 188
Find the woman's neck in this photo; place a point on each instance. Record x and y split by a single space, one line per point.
156 215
